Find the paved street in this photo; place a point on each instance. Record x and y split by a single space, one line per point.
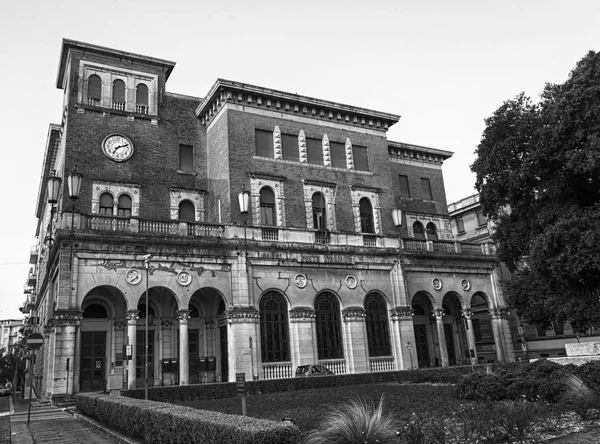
48 424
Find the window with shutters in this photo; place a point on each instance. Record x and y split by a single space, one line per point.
124 207
404 189
186 158
264 143
267 206
106 204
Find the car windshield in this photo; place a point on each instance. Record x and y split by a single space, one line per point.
301 370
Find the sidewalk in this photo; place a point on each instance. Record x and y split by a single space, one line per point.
49 424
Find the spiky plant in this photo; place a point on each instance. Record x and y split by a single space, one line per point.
355 422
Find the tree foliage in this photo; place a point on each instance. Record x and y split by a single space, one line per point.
538 174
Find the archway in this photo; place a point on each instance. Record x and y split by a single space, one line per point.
482 329
424 332
102 337
454 330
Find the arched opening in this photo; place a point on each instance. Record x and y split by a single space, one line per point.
424 330
329 328
124 208
95 311
431 231
454 330
378 331
267 206
418 232
118 95
94 90
187 211
106 206
366 216
274 336
482 329
141 94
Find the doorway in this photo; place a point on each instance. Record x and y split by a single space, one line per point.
93 361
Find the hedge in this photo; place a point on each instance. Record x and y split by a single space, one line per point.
176 393
157 422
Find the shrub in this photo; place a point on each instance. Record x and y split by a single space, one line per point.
355 422
589 373
579 397
156 422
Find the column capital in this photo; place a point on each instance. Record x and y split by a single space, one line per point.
467 313
353 313
67 317
299 314
239 313
499 313
132 316
438 313
401 312
183 316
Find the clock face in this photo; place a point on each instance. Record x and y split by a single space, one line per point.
118 148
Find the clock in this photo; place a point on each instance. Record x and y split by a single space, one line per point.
117 147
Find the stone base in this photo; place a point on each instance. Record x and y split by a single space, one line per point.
583 349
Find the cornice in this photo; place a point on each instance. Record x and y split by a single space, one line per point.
227 91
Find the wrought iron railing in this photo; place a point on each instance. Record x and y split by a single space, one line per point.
277 370
381 364
322 237
369 240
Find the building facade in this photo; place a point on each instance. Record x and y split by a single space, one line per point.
10 335
529 342
316 269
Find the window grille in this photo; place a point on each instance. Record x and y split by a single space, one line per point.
378 332
274 334
329 330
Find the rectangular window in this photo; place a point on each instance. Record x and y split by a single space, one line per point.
426 189
264 143
361 159
186 158
460 225
338 155
404 189
314 151
289 145
481 220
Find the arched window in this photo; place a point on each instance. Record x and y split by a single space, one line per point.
274 335
187 211
106 204
118 95
141 99
418 230
94 90
366 216
318 208
193 311
431 231
124 208
267 206
142 313
378 332
329 329
141 95
95 311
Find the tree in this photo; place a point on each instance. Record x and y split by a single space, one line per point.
538 174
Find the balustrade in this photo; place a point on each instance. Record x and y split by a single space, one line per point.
159 227
337 366
270 233
445 246
205 230
382 364
471 248
118 105
108 223
369 240
415 244
277 370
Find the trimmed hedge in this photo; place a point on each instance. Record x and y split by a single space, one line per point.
541 380
157 422
451 375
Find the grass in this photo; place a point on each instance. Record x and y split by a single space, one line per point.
309 407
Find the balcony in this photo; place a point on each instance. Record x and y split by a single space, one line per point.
31 278
183 229
33 254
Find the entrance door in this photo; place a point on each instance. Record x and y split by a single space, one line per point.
422 345
194 356
93 361
140 353
448 332
224 355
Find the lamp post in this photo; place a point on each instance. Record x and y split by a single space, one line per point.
53 189
244 202
74 182
147 266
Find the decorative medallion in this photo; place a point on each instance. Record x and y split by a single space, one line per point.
351 282
117 147
436 284
465 284
184 278
300 280
133 276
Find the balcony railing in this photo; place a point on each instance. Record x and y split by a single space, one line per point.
381 364
337 366
141 109
277 370
133 225
118 105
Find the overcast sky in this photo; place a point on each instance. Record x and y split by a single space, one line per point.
443 66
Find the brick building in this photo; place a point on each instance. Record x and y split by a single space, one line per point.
317 270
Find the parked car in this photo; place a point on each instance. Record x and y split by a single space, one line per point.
313 370
5 391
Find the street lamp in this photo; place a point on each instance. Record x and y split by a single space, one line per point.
53 189
147 266
244 202
74 182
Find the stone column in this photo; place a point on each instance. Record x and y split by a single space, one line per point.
496 315
302 336
439 320
67 322
403 338
132 316
355 341
242 325
468 315
184 349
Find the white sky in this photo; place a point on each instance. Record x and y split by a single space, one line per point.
444 66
